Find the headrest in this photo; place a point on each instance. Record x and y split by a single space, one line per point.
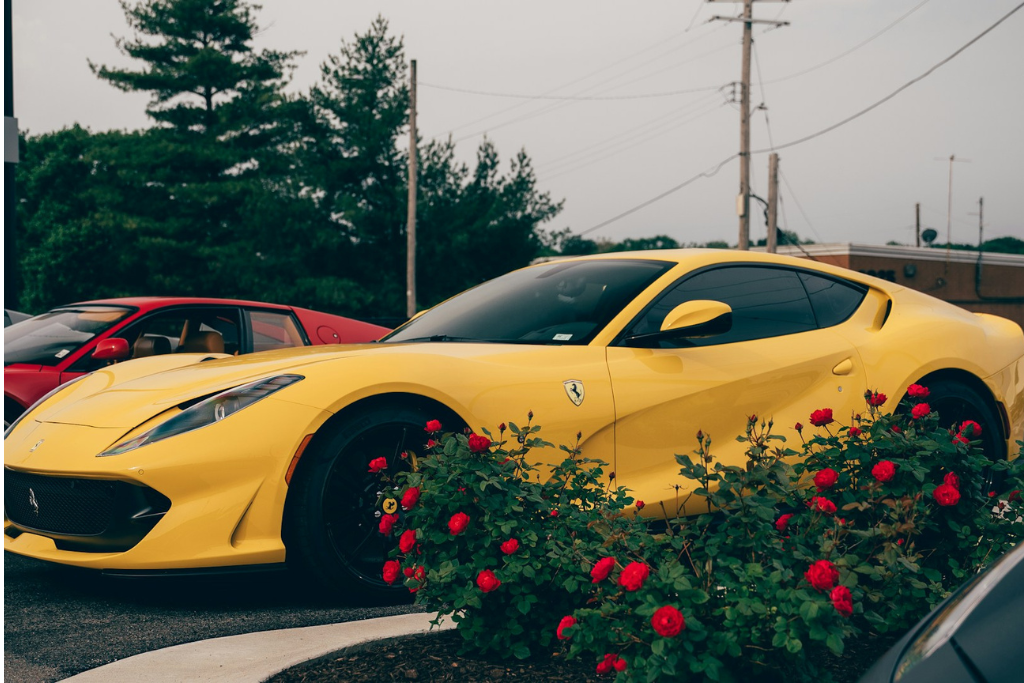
150 346
203 342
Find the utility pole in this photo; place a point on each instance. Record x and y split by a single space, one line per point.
743 200
773 202
410 229
917 222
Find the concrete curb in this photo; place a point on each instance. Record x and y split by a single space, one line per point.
253 657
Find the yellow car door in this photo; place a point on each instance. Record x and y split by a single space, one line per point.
777 361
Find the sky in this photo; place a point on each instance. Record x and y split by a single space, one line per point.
617 103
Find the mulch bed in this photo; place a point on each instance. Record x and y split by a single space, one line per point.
433 657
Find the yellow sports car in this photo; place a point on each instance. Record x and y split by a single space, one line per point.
208 462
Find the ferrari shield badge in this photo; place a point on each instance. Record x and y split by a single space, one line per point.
574 390
390 506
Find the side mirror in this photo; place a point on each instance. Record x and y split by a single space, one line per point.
114 348
700 318
696 314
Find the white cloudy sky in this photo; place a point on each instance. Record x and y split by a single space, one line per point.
606 156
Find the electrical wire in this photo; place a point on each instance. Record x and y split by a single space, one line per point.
705 174
895 92
584 77
800 206
573 98
621 137
764 106
652 136
852 49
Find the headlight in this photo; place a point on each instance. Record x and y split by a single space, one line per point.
44 399
213 409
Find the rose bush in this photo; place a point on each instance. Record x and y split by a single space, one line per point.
862 530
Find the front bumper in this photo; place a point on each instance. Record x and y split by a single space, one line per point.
213 497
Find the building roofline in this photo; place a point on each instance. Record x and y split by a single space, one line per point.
902 252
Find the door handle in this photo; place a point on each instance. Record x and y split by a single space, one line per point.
844 368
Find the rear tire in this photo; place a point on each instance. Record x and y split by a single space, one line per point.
955 403
333 512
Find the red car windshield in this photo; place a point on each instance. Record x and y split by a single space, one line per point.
49 338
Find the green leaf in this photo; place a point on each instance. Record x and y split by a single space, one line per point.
835 643
794 645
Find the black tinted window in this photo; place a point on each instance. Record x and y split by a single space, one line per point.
563 302
833 300
766 302
49 338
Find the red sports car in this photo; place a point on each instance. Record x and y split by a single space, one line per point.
45 351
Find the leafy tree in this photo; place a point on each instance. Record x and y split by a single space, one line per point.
217 159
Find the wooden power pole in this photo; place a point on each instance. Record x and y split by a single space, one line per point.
773 203
743 200
410 229
917 222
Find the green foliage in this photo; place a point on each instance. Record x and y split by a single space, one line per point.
741 591
240 190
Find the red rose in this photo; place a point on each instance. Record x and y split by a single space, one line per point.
970 429
602 569
896 429
386 523
920 410
952 480
855 431
392 568
378 464
798 427
510 546
633 576
668 621
782 523
433 426
502 427
842 600
554 513
457 524
826 478
407 541
410 497
946 495
991 494
610 663
820 418
883 471
917 391
487 581
959 438
640 505
822 575
1014 495
875 399
565 623
822 504
431 443
478 444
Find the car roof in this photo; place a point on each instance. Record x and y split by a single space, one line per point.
146 303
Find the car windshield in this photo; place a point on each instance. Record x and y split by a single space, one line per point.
49 338
562 302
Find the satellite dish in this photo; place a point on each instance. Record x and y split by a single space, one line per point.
929 235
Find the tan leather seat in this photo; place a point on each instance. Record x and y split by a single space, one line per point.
150 346
203 342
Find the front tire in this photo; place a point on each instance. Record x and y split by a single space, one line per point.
334 506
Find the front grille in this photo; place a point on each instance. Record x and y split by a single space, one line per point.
59 505
87 515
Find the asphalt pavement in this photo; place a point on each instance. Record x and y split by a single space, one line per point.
59 622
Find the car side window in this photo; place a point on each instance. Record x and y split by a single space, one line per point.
766 302
833 301
274 330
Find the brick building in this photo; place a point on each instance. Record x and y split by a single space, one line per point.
981 282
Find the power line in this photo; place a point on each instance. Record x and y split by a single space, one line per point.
643 139
895 92
800 206
705 174
852 49
764 106
572 97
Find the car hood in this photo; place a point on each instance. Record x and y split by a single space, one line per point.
128 394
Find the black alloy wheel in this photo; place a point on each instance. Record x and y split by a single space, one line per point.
336 504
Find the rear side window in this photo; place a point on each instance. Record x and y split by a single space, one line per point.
273 330
766 302
833 301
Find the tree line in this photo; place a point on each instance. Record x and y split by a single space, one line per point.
240 189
